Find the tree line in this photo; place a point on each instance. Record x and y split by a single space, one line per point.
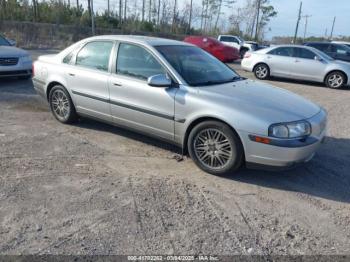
209 17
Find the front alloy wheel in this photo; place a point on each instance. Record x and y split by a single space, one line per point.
335 80
215 148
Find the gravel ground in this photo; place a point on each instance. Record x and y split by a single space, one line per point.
91 188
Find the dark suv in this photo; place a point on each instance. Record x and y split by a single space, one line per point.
336 51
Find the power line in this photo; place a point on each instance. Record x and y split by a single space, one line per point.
306 20
332 28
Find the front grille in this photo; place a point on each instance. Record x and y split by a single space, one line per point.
8 61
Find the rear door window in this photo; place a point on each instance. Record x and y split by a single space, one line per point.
95 55
282 51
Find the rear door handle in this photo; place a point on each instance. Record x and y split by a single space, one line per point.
71 74
117 84
297 61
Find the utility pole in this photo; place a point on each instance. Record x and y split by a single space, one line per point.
108 10
257 20
332 28
143 10
297 26
174 16
325 33
150 11
305 29
120 11
190 19
158 12
92 18
125 10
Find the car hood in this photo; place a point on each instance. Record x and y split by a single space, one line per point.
261 100
11 51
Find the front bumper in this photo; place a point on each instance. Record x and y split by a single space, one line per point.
280 157
20 69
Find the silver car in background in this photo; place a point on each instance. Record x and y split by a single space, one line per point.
179 93
14 61
298 62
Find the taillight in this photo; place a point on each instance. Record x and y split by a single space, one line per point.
247 55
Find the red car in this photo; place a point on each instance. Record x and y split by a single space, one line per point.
222 52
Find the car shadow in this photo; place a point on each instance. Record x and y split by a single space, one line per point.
92 124
326 176
301 82
14 85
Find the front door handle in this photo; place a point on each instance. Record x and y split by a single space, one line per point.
71 74
117 84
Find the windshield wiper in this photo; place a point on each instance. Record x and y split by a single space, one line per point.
210 82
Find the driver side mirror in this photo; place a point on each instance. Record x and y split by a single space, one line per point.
317 58
161 80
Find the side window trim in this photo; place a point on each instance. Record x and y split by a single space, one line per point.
74 62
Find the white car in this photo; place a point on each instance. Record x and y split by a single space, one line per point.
239 43
297 62
14 61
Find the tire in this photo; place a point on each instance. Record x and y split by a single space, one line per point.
215 148
61 105
335 80
262 71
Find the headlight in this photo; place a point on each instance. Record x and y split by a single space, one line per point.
26 59
290 130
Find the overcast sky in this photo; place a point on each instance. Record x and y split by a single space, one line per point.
322 13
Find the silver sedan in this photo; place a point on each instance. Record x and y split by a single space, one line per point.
179 93
298 62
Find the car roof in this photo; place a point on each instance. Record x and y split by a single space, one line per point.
139 39
319 43
289 45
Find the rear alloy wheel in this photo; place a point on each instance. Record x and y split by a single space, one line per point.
215 148
262 71
61 105
335 80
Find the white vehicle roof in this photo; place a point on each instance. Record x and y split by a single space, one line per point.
341 42
148 40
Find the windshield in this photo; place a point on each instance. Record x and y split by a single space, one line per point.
3 41
197 67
